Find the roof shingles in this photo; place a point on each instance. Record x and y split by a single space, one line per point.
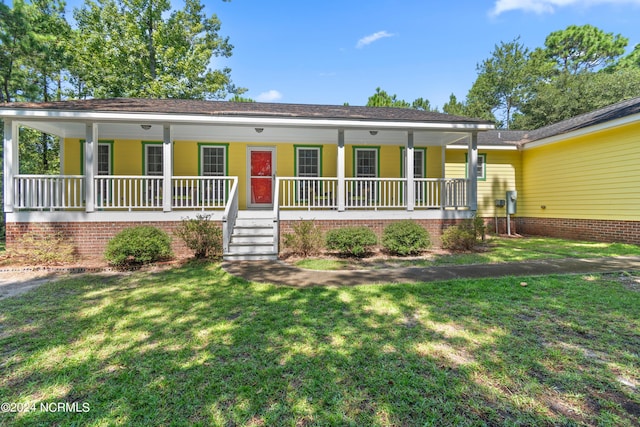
250 109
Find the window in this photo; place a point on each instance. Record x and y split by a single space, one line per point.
419 171
482 166
308 162
419 156
366 162
364 192
213 160
153 164
104 159
308 166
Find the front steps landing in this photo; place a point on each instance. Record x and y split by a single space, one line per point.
252 237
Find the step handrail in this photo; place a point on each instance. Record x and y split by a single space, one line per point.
230 215
276 216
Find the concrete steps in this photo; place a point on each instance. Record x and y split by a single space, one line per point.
252 237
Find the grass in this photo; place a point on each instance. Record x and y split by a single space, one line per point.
195 346
495 250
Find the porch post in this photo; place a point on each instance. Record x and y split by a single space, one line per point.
11 162
167 168
90 165
472 192
408 166
340 169
443 160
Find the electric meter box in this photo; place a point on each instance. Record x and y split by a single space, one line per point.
512 202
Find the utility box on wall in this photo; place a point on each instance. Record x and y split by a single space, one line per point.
512 202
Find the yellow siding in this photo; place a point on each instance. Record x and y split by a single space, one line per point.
128 154
72 158
503 173
595 176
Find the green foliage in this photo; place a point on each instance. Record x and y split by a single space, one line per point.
353 241
383 99
501 82
459 238
305 240
38 249
405 238
139 48
569 95
138 245
202 236
464 236
583 48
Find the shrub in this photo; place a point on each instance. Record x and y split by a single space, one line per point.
201 235
305 240
138 245
34 248
354 241
405 238
459 238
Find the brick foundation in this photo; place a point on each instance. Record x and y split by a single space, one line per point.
582 229
435 227
90 238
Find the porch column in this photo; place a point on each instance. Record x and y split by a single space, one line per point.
408 166
11 162
472 191
167 168
340 170
90 165
443 160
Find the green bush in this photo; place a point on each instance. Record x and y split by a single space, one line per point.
405 238
138 245
459 238
305 240
201 235
354 241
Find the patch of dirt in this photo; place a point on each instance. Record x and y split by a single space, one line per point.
18 277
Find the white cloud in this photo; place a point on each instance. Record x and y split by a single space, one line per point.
372 37
269 96
548 6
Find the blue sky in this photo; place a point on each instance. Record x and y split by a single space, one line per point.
336 51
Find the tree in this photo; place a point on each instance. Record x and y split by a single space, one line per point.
570 95
454 107
502 83
383 99
140 48
630 61
583 48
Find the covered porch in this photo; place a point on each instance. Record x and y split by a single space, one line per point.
359 178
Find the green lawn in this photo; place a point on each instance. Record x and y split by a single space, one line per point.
495 250
194 346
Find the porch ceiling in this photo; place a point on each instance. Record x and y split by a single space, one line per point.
245 133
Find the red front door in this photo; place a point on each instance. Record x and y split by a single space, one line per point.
261 177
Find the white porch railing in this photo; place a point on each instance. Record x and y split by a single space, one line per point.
48 191
370 193
202 192
367 193
128 192
307 193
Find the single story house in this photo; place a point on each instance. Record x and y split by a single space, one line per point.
257 168
254 167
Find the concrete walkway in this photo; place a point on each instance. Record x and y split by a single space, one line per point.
278 272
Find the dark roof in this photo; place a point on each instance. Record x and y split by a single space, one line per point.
244 109
601 115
